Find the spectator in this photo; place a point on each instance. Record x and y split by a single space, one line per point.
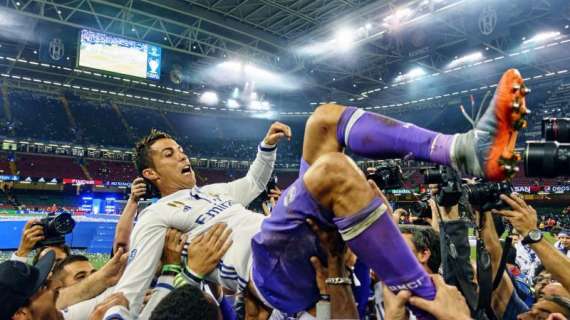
24 291
72 270
563 243
187 302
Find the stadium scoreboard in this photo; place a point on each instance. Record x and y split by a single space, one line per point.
109 53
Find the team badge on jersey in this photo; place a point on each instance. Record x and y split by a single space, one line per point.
132 255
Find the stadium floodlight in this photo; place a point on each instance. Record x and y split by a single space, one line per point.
232 103
541 37
344 38
259 105
412 74
398 16
472 57
209 98
235 66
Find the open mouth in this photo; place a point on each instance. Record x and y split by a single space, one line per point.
186 170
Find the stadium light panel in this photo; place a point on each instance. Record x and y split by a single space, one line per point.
412 74
259 105
209 98
541 37
344 39
472 57
232 104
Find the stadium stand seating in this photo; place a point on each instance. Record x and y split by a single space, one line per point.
111 170
48 166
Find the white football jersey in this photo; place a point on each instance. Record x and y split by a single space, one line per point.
194 211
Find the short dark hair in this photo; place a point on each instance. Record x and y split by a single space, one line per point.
58 268
142 158
39 251
186 302
425 238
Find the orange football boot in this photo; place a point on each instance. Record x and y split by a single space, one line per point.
488 151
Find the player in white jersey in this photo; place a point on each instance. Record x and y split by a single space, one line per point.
330 189
195 210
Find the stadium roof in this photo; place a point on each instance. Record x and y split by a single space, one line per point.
384 54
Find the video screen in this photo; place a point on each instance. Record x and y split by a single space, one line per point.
114 54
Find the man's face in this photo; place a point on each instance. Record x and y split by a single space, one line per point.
77 271
542 280
422 257
564 241
171 170
42 306
541 310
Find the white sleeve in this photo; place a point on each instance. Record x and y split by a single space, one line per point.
117 313
164 286
83 309
147 242
246 189
15 257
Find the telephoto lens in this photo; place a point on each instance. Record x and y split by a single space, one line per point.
547 159
556 129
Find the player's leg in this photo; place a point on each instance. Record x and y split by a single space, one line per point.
487 151
365 223
334 192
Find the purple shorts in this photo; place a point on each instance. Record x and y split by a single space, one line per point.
282 272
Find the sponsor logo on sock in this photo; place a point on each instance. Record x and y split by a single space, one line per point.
290 196
406 286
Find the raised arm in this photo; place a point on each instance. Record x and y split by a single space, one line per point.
246 189
126 221
95 284
523 218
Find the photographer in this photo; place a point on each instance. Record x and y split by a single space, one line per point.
31 234
524 219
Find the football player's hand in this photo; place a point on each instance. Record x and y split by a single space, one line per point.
114 268
395 304
138 189
173 245
206 250
116 299
446 296
276 132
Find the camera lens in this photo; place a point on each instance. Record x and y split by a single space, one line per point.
487 193
547 159
433 176
61 224
556 129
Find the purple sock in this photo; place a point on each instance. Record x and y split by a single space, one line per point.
379 137
376 240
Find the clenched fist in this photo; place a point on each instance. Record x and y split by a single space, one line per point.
276 132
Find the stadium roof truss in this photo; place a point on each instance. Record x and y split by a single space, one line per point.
265 31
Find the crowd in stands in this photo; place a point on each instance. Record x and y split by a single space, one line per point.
70 119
